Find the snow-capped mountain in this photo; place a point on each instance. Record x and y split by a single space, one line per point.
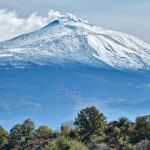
47 94
69 39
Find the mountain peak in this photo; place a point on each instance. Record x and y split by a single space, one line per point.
66 20
69 39
53 23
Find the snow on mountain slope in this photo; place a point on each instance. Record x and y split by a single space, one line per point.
68 38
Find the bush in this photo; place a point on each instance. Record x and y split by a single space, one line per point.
143 145
65 144
3 136
98 146
44 131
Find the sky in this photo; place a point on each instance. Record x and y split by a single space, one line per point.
22 16
129 16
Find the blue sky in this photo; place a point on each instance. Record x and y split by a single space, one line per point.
17 16
53 96
130 16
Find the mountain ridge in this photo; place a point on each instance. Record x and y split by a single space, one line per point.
69 39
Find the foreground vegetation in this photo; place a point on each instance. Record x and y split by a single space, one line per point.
89 131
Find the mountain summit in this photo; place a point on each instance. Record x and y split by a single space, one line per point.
69 39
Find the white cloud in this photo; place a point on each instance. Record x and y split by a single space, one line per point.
26 105
4 105
139 86
82 102
12 25
22 105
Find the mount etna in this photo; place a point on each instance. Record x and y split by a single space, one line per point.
50 74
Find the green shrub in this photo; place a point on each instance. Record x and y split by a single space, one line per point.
65 144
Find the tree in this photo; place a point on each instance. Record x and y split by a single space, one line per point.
142 129
74 134
123 121
28 128
91 123
16 133
3 136
66 128
43 131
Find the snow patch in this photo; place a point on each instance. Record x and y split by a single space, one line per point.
5 55
16 50
69 39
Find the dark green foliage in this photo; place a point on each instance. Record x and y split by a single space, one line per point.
28 128
90 128
16 133
65 144
21 132
65 129
3 136
142 130
123 121
74 134
91 123
119 134
44 131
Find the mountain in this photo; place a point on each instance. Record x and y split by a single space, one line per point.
50 74
69 39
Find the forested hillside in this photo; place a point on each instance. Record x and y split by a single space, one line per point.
89 131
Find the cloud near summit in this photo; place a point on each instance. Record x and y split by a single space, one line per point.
12 25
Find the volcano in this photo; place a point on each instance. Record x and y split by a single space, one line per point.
50 74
